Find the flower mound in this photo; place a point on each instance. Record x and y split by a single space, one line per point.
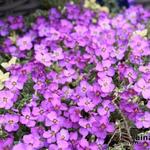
73 82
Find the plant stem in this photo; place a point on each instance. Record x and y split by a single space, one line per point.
125 122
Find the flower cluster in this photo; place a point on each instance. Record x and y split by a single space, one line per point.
71 76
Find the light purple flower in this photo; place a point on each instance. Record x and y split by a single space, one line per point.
143 120
103 51
53 119
74 114
24 43
32 142
142 145
39 113
86 104
105 68
84 87
106 108
27 118
19 146
50 135
14 83
6 143
54 34
44 58
11 122
130 74
57 54
6 99
62 138
143 87
106 84
101 126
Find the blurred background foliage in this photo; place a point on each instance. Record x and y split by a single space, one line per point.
113 5
58 3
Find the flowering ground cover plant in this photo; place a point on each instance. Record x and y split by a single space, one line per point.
70 83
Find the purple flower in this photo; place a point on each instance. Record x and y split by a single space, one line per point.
86 126
66 26
6 99
74 113
31 141
62 138
106 84
6 143
67 92
130 74
19 146
84 143
86 104
131 110
52 147
69 74
143 120
148 104
84 87
105 68
4 30
139 46
95 94
16 22
54 34
118 53
43 30
69 42
106 108
145 69
50 135
103 51
53 119
44 58
14 83
143 87
11 122
27 118
24 43
101 126
39 113
57 54
142 145
54 14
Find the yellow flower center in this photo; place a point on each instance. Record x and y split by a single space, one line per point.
27 117
55 121
10 121
14 83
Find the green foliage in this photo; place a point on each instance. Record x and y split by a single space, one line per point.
112 5
25 95
121 146
148 27
88 68
23 130
58 3
32 17
3 134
